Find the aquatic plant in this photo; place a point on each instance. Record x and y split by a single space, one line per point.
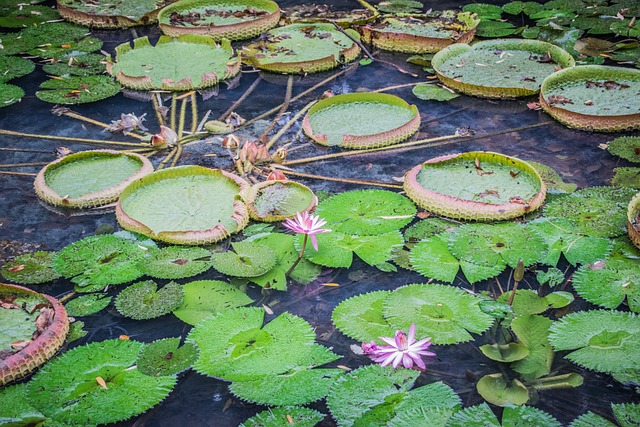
166 357
116 14
143 300
175 262
85 305
30 269
402 349
203 298
275 417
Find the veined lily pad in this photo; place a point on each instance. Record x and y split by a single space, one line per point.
10 94
88 304
184 205
302 48
77 89
422 34
512 416
204 298
360 317
15 410
593 97
272 201
626 177
89 178
361 120
114 14
247 259
175 262
68 391
277 417
481 186
143 300
499 68
166 357
188 62
29 269
633 220
22 353
14 67
220 19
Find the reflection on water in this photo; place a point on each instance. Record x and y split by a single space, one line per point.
201 401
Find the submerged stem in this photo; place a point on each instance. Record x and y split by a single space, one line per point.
290 123
68 138
345 180
241 99
283 108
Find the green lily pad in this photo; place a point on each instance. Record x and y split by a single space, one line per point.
175 262
85 305
366 212
626 177
27 16
627 414
432 258
99 260
30 269
604 341
10 94
400 6
491 29
56 34
278 417
143 300
302 48
553 276
78 90
431 92
499 391
272 201
591 420
76 331
595 211
526 301
526 7
16 410
14 67
552 179
445 313
115 14
483 9
533 332
67 391
247 259
427 228
505 352
625 147
166 357
204 298
170 64
360 317
85 44
610 285
512 416
85 64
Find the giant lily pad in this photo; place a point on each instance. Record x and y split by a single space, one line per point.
361 120
481 186
499 68
272 201
302 48
89 178
593 97
221 19
112 14
184 63
422 34
633 220
184 205
78 89
68 390
34 327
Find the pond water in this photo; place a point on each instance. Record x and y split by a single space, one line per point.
507 127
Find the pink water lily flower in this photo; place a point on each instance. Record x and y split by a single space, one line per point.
307 224
401 349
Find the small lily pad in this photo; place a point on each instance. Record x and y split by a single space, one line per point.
431 92
533 332
76 331
14 67
204 298
84 64
432 258
16 410
143 300
427 228
247 259
78 90
278 417
27 16
360 317
505 352
85 44
166 357
175 262
497 390
10 94
30 269
626 147
85 305
626 177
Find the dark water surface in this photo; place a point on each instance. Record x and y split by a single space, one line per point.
202 401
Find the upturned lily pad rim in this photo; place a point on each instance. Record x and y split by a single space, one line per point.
99 198
454 207
593 122
562 57
236 31
365 141
43 348
633 213
106 21
186 237
252 194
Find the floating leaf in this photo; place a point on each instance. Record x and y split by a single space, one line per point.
605 341
278 417
400 6
27 16
431 258
609 286
54 34
14 67
10 94
505 352
552 179
526 7
499 391
483 9
552 276
444 313
16 410
175 262
166 357
431 92
360 317
487 28
627 414
366 212
143 300
203 298
247 259
426 228
559 299
78 90
525 302
532 332
85 64
626 147
30 269
88 304
76 331
626 177
65 390
474 416
591 420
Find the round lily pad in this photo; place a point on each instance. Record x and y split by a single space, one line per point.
302 48
247 259
78 90
366 212
10 94
593 97
272 201
143 300
498 390
499 68
204 298
28 15
30 269
174 262
633 220
480 186
84 305
166 357
68 391
220 19
176 205
53 51
84 64
627 147
14 67
55 34
278 417
114 14
89 178
188 62
360 317
361 120
432 258
422 34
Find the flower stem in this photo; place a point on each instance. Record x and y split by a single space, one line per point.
295 264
